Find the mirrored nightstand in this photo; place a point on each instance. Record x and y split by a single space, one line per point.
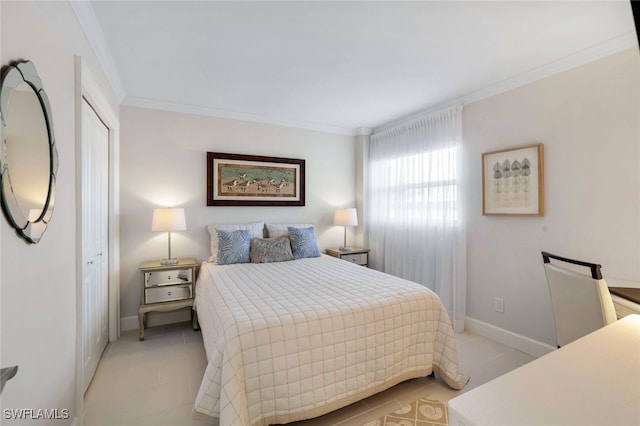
357 255
167 288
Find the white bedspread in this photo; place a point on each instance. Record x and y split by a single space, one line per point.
293 340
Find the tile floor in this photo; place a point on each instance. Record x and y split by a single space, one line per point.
155 382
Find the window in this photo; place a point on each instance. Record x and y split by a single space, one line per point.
420 189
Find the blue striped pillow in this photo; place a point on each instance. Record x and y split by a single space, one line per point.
233 246
303 242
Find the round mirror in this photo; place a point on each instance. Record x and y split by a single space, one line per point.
29 161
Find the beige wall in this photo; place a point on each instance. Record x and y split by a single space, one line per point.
588 119
163 163
38 281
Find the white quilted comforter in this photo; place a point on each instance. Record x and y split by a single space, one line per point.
294 340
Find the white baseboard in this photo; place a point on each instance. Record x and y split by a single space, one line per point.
155 319
509 338
128 323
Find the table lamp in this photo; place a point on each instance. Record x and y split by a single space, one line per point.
345 217
168 219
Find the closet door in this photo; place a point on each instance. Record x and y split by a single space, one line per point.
95 239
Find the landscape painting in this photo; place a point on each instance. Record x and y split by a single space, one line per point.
243 180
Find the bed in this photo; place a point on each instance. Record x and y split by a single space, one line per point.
294 340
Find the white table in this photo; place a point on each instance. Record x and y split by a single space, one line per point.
594 380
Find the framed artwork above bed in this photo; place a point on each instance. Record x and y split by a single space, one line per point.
252 180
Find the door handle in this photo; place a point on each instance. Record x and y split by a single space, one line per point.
7 374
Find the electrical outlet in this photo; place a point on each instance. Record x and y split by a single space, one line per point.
498 304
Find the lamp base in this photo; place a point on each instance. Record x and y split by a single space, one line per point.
169 261
345 248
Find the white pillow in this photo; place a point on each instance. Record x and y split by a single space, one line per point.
275 230
257 231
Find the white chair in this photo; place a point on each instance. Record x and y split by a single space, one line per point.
581 303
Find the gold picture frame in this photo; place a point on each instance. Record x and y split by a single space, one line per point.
251 180
513 181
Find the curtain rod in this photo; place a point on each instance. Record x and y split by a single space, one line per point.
393 125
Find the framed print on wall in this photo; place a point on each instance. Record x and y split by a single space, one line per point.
513 181
251 180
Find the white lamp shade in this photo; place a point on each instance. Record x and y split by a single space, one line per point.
168 220
346 217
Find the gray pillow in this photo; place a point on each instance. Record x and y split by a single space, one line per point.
268 250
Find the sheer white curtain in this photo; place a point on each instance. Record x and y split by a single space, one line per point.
413 206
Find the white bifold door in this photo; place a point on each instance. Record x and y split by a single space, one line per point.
95 239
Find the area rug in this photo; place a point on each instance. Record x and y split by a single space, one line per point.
423 412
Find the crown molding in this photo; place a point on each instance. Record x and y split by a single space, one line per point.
363 131
615 45
91 27
583 57
235 115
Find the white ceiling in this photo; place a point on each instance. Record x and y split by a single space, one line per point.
340 66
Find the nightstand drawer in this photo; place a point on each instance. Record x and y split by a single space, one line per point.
167 294
170 277
358 258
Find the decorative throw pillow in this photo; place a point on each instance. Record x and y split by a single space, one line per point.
303 242
233 246
270 250
275 230
257 230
